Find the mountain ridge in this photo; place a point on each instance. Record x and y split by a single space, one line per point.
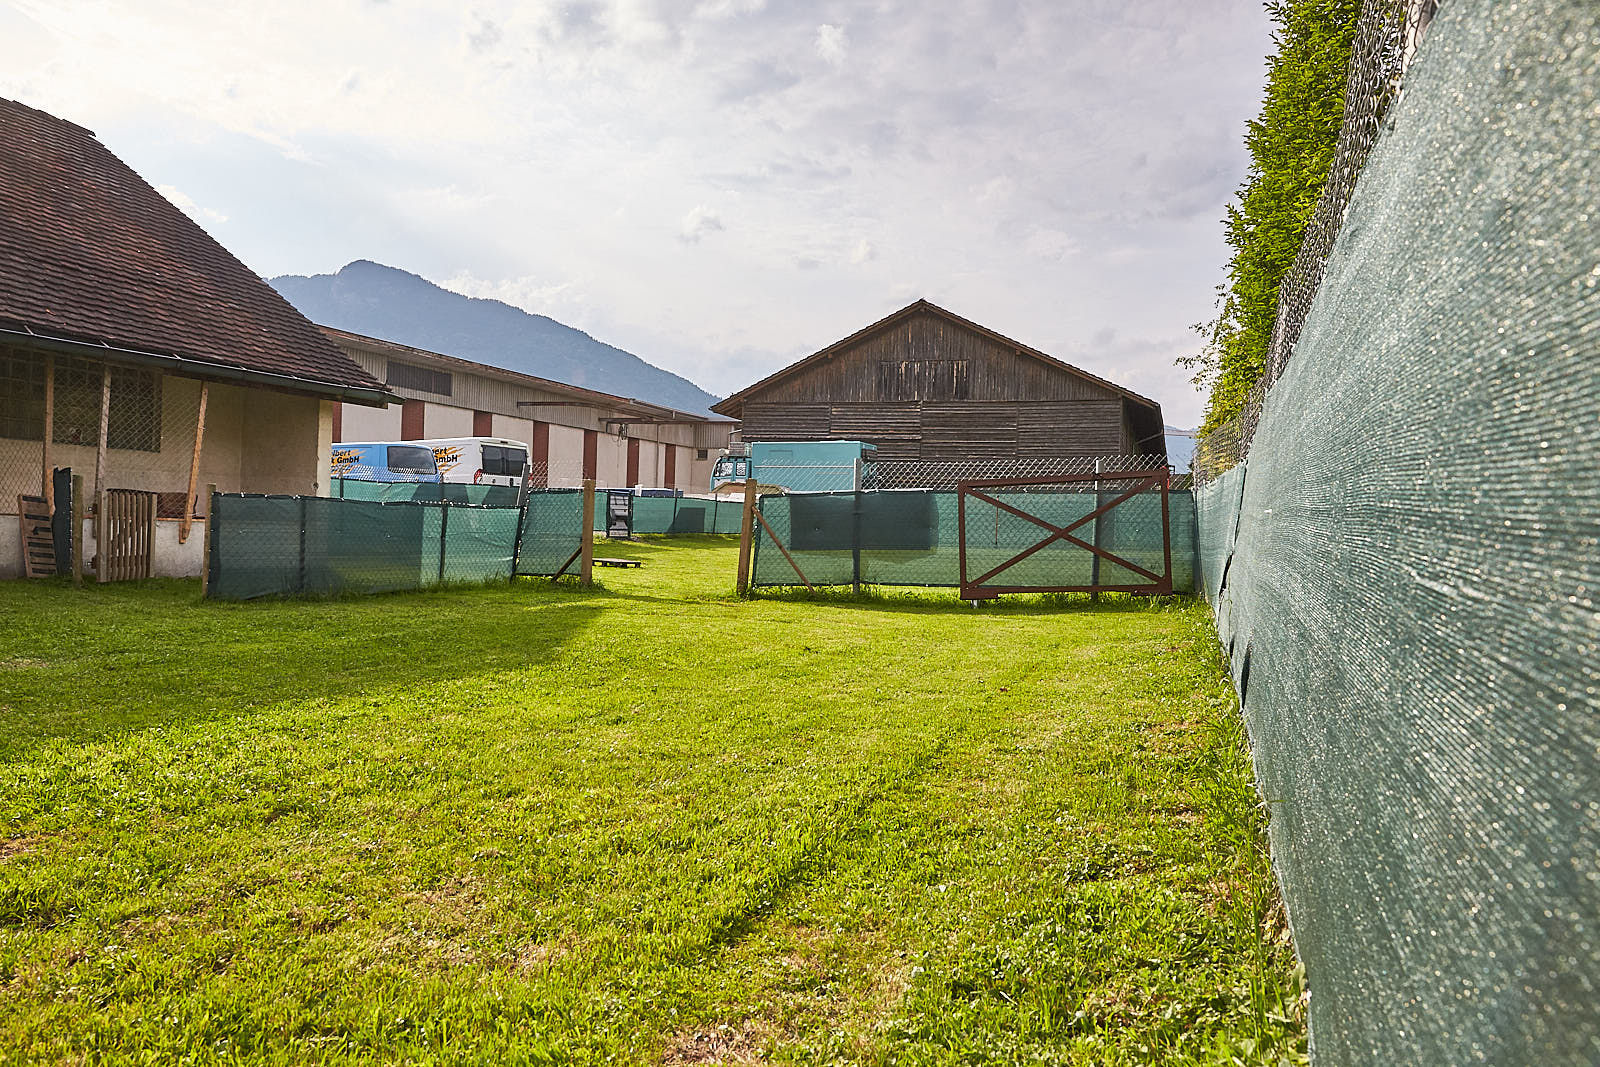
377 300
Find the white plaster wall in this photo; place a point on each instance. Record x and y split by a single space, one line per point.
566 456
10 547
438 420
611 466
513 429
169 558
369 424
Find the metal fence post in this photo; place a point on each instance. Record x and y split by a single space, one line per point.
80 507
1094 557
444 530
208 554
302 576
855 524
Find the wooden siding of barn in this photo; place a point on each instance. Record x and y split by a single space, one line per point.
902 388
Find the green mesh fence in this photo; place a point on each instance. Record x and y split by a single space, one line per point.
679 514
912 538
552 532
298 546
1405 569
495 496
281 545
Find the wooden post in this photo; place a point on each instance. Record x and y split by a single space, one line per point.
586 561
746 535
78 510
100 526
194 468
49 431
205 546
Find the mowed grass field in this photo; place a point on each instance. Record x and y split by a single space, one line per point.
647 823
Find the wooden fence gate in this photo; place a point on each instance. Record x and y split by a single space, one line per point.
127 535
1031 500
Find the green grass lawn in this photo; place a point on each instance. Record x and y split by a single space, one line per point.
646 823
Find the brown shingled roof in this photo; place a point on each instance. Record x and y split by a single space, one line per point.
90 252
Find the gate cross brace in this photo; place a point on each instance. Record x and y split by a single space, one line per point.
763 520
1063 533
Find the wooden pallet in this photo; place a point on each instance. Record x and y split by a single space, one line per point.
38 540
608 561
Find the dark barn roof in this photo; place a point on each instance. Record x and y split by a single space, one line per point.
734 404
92 259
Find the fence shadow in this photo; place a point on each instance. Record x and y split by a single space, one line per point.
82 666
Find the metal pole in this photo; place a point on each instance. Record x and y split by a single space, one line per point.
444 532
855 535
302 574
79 507
1094 557
207 553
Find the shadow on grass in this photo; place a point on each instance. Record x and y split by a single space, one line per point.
84 665
947 601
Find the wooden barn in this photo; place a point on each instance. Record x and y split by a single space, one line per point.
925 384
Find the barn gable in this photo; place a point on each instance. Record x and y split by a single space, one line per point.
927 384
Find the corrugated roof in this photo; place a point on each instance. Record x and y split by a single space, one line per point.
90 252
467 366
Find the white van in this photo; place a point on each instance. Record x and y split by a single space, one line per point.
479 460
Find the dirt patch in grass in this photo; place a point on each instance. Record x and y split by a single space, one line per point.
742 1042
15 847
532 957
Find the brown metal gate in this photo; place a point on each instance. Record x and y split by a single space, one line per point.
1011 496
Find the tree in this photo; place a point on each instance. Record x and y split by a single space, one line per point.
1291 145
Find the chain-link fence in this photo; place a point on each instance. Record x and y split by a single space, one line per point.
299 545
916 537
355 488
1386 38
56 411
924 474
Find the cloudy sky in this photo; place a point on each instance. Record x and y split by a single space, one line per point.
720 186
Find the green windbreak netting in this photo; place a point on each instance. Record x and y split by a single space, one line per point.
679 514
494 496
1410 606
1218 509
913 538
552 532
295 546
278 545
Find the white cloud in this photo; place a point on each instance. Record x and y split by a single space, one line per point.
832 44
700 221
1048 170
1051 244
